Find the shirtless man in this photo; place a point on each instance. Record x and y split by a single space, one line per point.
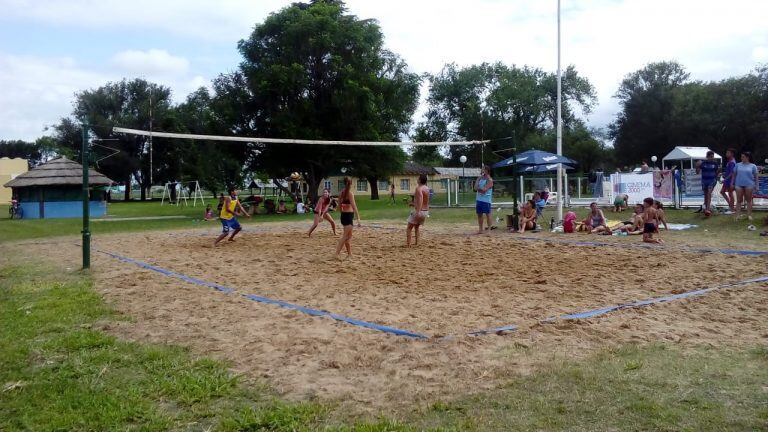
651 218
420 210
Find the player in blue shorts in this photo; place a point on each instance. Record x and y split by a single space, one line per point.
709 169
484 198
227 216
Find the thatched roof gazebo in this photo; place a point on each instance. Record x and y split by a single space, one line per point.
54 190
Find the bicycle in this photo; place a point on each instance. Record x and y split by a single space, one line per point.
15 211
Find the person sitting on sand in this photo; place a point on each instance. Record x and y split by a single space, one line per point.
651 222
569 222
595 221
527 217
620 203
281 208
208 213
662 217
633 226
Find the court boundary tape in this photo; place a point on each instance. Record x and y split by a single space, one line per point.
591 313
267 300
646 246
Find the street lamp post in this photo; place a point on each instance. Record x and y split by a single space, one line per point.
463 160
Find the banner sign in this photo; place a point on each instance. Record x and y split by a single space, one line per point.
762 187
663 185
637 186
693 183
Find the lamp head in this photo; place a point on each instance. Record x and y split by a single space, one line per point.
463 159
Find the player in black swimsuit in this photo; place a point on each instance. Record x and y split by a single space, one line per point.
348 214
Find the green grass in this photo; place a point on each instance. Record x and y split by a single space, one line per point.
655 387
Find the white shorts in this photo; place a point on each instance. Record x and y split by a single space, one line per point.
423 215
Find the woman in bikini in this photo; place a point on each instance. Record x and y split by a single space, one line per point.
321 212
527 217
348 214
595 222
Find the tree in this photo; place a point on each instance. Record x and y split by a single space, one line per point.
216 164
494 101
35 153
645 125
662 108
127 104
313 71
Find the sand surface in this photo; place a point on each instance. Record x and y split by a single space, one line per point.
452 284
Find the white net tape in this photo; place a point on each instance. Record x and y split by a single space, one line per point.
286 140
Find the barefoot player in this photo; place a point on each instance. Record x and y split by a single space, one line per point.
227 216
420 210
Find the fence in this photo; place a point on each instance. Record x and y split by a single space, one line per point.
673 188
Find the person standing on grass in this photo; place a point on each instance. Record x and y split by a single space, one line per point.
745 183
728 179
349 213
709 169
392 193
227 215
651 219
321 212
484 198
420 210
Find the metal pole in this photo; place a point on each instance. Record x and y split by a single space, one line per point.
150 143
560 195
86 201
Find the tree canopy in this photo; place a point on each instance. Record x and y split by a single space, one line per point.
493 101
313 71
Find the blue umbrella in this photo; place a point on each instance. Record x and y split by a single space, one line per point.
535 157
541 168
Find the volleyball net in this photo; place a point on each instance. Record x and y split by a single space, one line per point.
140 132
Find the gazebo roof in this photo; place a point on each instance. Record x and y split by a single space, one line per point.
58 172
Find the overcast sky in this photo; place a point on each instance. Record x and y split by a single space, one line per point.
51 49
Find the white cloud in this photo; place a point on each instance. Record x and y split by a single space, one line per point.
153 62
38 91
760 54
604 39
202 20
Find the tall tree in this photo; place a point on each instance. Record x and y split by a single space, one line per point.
217 165
645 125
492 101
127 104
314 71
34 152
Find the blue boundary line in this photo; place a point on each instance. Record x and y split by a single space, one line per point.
655 300
645 246
266 300
399 332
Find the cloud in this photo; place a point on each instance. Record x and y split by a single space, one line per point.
604 39
200 20
38 91
760 54
153 62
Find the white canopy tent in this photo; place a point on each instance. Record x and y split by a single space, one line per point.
686 157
